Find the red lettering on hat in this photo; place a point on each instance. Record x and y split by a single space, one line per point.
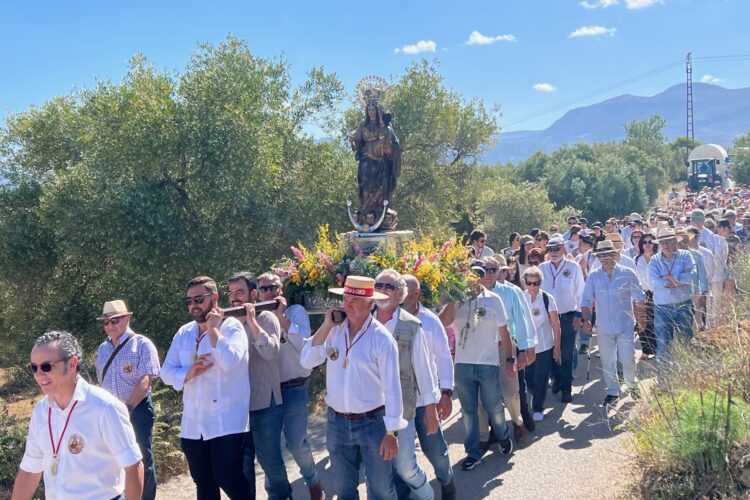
362 292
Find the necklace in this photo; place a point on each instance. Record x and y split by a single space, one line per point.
349 347
472 320
556 274
56 450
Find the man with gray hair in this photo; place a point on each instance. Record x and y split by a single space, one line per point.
416 380
295 330
80 437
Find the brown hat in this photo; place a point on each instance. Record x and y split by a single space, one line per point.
114 308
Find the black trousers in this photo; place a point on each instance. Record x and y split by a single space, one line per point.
217 463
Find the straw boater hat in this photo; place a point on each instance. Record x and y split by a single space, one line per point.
113 309
605 246
359 286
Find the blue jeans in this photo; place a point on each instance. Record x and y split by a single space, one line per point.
352 443
295 431
142 418
409 476
266 426
248 463
563 373
670 321
475 382
434 448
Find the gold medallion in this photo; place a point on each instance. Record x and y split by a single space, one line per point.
75 444
53 469
346 362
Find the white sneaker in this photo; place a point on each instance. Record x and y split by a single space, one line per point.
538 416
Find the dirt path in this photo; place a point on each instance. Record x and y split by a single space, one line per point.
577 452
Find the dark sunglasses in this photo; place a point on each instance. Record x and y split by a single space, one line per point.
109 321
490 270
533 283
198 299
553 249
268 288
648 242
386 286
46 367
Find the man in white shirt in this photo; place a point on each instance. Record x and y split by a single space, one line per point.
80 437
295 330
434 446
416 379
477 240
481 322
363 391
563 279
720 249
207 361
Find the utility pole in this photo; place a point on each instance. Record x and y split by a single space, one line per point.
690 132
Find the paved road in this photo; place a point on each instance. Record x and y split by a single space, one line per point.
575 453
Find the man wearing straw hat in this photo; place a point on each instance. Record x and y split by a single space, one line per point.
126 363
672 274
363 390
612 289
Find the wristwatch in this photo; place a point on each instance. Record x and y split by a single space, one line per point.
447 392
392 433
510 360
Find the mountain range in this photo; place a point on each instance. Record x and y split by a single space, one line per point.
720 115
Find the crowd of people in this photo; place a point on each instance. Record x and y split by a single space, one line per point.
392 365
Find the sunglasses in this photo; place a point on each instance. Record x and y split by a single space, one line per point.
386 286
109 321
553 249
46 367
198 299
490 270
268 288
533 283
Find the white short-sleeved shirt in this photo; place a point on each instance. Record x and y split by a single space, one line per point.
541 320
477 322
96 447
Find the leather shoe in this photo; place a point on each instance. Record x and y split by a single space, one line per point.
519 432
528 420
316 493
555 386
566 397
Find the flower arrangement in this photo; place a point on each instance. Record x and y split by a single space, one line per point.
442 270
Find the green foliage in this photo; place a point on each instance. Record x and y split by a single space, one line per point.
13 443
168 457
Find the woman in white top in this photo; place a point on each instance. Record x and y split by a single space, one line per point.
647 248
547 324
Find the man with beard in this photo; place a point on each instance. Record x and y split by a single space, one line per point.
416 379
266 402
295 330
208 362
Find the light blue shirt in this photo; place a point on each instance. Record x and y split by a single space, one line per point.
700 285
682 267
613 298
520 322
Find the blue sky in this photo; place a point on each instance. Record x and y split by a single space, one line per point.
524 55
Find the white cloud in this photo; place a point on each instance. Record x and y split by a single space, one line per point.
476 38
544 87
710 79
642 4
596 5
592 31
420 46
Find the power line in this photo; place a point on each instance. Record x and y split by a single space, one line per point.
609 88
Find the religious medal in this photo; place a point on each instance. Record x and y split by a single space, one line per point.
566 273
346 362
56 449
333 353
75 444
535 311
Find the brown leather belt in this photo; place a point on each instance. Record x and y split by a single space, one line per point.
295 382
360 416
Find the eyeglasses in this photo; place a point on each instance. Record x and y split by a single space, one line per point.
553 249
490 270
109 321
198 299
46 367
533 283
268 288
648 242
386 286
539 239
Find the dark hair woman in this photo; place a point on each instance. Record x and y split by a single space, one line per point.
647 248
